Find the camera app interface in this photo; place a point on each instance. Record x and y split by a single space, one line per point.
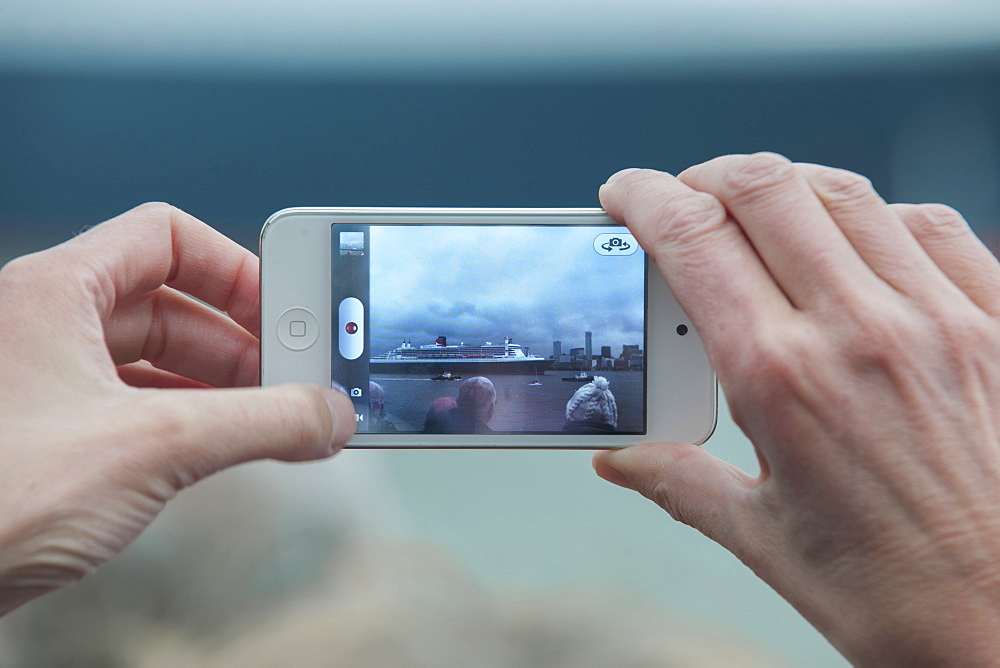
479 329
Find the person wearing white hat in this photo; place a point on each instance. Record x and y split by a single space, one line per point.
592 409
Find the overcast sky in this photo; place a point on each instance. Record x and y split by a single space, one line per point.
514 37
535 284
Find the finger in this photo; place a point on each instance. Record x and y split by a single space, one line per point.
949 241
144 374
803 248
706 260
693 486
157 244
177 334
877 233
194 433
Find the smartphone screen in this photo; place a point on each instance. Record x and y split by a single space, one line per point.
479 329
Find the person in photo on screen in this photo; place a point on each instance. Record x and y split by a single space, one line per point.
592 409
437 414
380 422
474 407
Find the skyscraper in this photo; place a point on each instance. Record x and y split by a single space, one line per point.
588 348
556 349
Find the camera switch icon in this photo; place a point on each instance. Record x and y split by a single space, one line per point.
355 391
615 244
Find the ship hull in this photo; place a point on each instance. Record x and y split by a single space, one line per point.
464 368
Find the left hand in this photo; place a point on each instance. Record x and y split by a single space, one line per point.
105 411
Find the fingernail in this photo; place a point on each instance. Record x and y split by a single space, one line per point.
611 474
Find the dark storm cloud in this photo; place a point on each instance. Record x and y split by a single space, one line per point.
476 284
450 311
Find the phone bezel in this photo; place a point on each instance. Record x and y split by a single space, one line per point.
295 246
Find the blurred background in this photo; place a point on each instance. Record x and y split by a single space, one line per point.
232 110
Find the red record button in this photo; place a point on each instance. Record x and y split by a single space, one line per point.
352 328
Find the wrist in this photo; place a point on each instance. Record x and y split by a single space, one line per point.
941 624
37 558
947 636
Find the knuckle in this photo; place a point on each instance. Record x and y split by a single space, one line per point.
968 335
28 271
168 428
841 185
769 369
777 354
684 217
155 210
754 175
773 368
246 371
938 221
152 217
157 215
950 338
634 178
20 269
881 335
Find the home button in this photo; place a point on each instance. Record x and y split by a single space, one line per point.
297 329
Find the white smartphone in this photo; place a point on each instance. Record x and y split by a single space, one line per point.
520 328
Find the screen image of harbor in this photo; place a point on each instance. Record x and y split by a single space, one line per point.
506 329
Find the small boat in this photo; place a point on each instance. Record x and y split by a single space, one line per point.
582 377
535 383
447 375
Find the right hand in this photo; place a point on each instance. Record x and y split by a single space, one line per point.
858 344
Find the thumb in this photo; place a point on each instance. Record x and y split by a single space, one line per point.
692 485
195 433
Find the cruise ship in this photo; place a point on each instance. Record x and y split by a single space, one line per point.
464 360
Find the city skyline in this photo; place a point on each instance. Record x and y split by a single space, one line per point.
452 340
595 355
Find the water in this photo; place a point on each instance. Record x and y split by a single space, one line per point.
519 407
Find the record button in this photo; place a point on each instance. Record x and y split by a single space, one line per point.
352 328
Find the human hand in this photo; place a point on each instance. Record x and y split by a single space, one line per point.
104 405
858 344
